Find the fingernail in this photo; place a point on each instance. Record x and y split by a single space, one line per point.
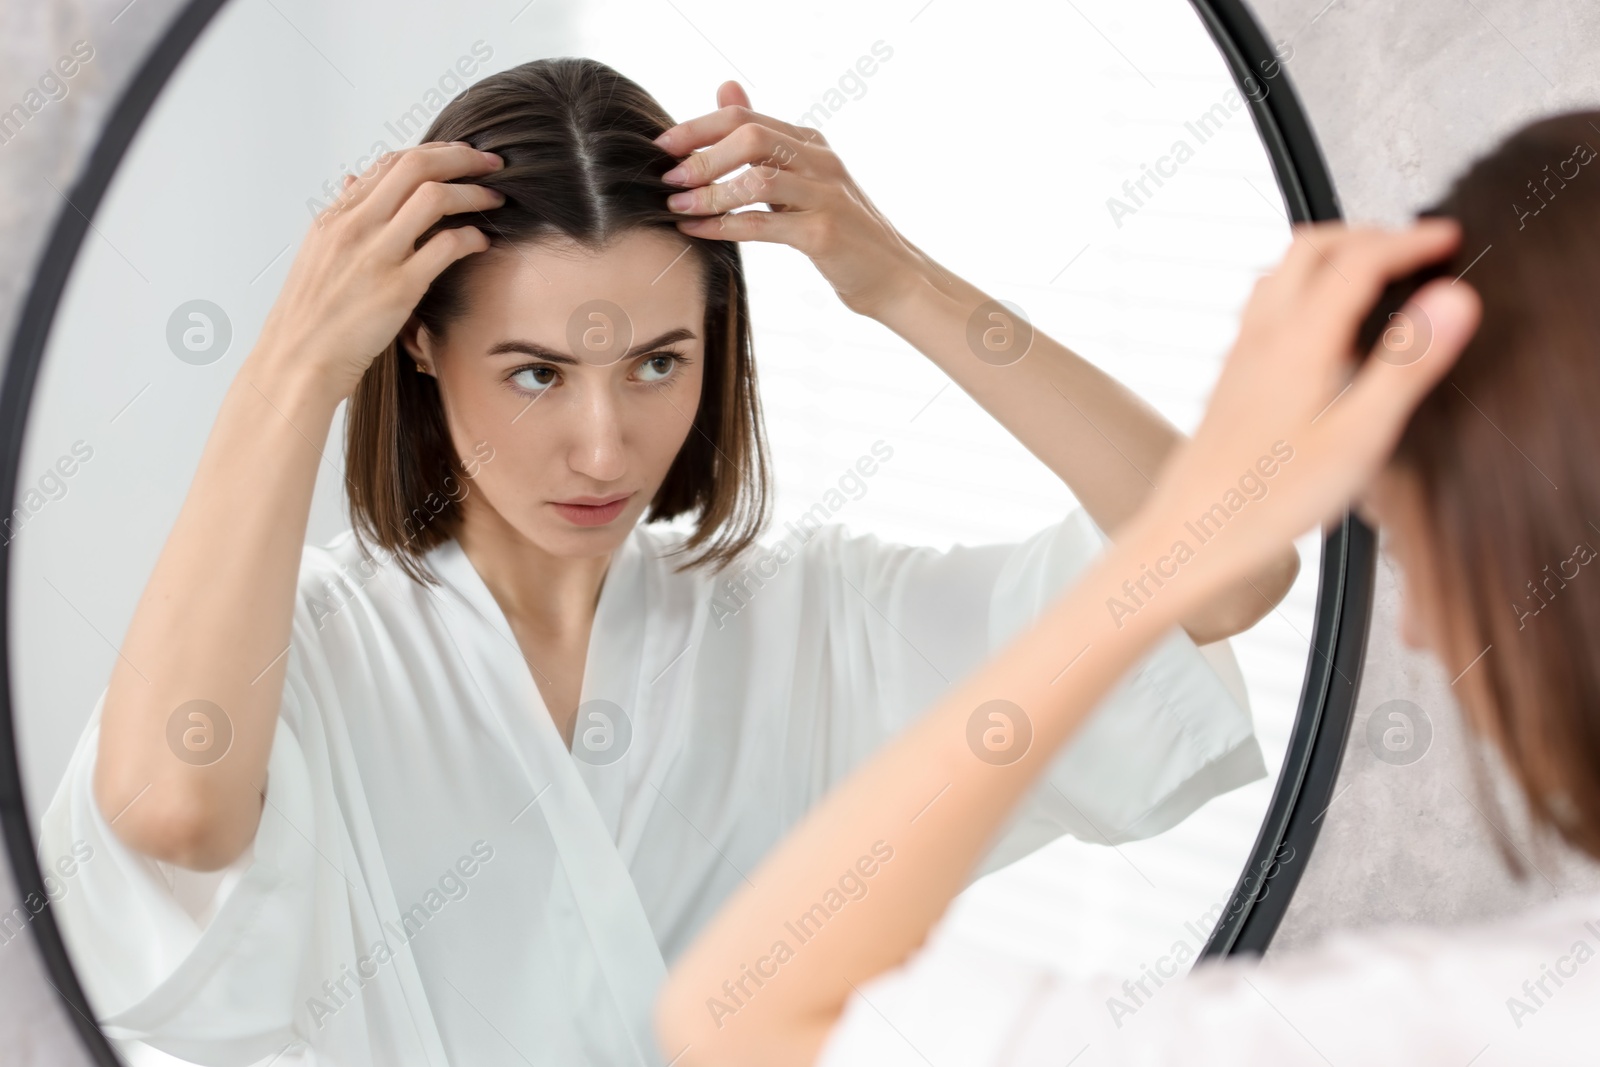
1440 299
494 161
677 175
680 201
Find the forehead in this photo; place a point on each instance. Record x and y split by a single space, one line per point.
645 281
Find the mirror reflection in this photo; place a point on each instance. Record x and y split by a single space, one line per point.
442 576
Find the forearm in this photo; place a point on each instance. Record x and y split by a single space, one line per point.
1096 435
929 801
213 624
928 796
1105 442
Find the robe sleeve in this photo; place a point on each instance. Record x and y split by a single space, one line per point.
202 965
1390 996
907 622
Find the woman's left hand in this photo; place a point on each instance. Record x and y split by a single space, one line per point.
816 206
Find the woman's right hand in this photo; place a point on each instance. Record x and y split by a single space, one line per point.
1297 408
216 616
358 274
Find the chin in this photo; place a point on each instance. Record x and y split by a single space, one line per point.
561 538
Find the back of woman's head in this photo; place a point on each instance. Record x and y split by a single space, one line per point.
1505 451
581 166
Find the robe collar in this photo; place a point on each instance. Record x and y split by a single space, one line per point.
579 807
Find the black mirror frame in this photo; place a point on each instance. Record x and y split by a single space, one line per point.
1311 763
1344 598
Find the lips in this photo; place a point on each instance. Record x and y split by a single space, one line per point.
594 501
591 510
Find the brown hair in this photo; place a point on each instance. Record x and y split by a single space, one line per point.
580 162
1505 451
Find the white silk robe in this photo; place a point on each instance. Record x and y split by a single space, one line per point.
438 880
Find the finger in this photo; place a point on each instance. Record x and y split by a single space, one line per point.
1359 245
441 250
349 196
1317 249
433 201
758 185
1362 262
731 94
761 147
776 227
357 190
713 126
1374 409
435 163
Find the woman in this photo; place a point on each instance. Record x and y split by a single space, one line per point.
463 808
1488 503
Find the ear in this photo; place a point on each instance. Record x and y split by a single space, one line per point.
416 343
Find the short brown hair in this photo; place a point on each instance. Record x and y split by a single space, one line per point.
580 161
1506 449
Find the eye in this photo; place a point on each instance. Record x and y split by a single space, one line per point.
660 367
534 379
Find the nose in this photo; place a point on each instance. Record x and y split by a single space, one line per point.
597 449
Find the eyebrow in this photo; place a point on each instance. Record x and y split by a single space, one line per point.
550 354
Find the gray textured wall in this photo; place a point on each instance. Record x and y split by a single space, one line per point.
37 168
1402 96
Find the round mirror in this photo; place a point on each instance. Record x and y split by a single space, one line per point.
378 717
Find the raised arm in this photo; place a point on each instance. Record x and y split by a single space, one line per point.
1106 443
206 653
910 824
1095 434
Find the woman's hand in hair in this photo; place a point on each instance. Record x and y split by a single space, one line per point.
359 274
816 206
1300 421
1289 378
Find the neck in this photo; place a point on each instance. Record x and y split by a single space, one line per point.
545 592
